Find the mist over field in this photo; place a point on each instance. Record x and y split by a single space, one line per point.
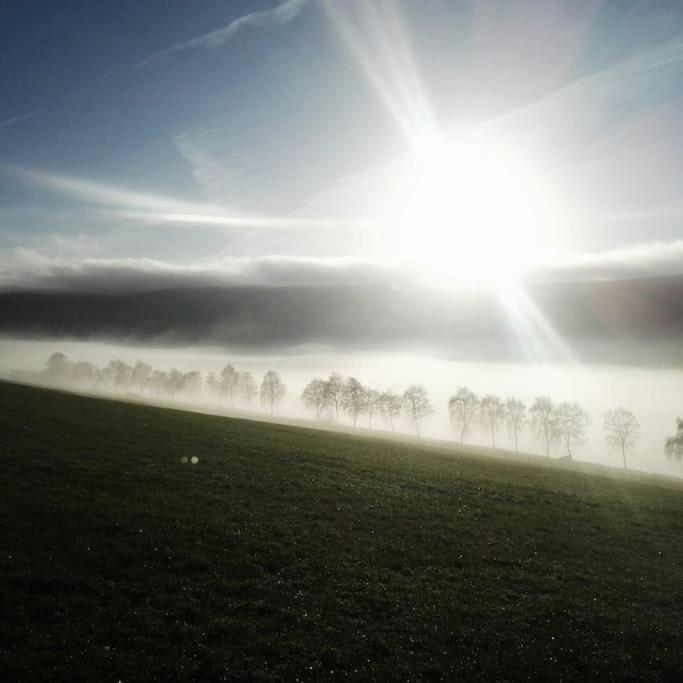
653 394
341 340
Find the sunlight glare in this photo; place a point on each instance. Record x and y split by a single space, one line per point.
467 212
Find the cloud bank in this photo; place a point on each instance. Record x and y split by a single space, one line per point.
30 270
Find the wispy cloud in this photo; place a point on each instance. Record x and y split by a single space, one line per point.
16 119
277 16
150 208
654 70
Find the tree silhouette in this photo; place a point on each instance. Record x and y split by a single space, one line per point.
462 408
176 381
316 396
121 374
272 390
228 382
515 417
545 422
417 404
212 383
192 382
335 389
492 415
58 366
572 424
372 403
353 398
246 386
674 444
103 378
621 430
391 405
141 374
84 374
159 382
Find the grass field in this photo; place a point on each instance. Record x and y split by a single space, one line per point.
289 553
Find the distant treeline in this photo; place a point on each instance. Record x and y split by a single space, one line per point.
142 379
564 423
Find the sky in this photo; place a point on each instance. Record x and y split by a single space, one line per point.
441 141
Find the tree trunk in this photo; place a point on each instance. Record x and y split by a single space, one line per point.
516 450
623 455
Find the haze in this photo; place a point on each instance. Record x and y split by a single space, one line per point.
442 193
652 393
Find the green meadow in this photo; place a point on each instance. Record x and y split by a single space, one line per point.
286 553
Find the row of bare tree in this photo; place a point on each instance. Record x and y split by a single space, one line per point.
143 379
564 423
241 386
351 396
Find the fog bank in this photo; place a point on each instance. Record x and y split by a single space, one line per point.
654 395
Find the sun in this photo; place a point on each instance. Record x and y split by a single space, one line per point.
466 211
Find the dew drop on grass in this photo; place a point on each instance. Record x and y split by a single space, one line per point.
194 459
183 459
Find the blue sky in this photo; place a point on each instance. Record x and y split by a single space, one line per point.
120 122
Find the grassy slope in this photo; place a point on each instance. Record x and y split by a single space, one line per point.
291 552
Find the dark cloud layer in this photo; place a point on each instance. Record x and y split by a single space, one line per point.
28 270
593 318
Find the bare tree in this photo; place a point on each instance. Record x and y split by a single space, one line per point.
545 422
353 398
621 430
335 389
492 414
272 390
372 404
159 382
176 381
121 375
103 379
417 404
462 408
192 382
674 444
391 405
246 386
316 396
141 374
228 382
212 383
573 421
58 367
515 416
85 374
